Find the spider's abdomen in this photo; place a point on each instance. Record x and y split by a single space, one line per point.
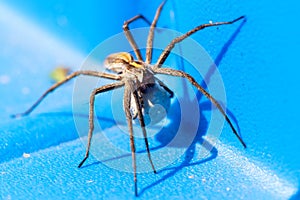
155 103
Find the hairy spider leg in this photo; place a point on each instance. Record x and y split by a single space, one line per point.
176 40
178 73
149 46
56 85
130 37
150 35
142 124
126 102
96 91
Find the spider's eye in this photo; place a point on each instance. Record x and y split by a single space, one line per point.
116 62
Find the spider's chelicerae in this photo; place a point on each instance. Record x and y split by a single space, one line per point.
138 78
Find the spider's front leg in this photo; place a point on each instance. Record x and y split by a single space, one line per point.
130 37
164 55
151 34
104 88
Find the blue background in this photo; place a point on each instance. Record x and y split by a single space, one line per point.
259 68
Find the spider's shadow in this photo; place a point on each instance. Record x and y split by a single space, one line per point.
164 136
296 195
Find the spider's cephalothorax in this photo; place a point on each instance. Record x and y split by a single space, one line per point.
123 64
142 89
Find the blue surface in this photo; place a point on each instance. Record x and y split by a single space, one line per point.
256 60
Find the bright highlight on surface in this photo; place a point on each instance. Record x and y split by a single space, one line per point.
21 35
259 174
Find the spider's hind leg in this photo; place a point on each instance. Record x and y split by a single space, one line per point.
178 73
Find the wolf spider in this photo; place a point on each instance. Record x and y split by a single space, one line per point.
137 77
